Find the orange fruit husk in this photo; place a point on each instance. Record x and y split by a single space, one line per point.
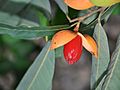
93 44
79 4
61 38
89 44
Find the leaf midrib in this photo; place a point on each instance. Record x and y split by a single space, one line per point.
38 70
15 29
112 70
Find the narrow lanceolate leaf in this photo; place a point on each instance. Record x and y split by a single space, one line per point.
62 6
112 80
7 18
24 32
39 75
45 4
101 64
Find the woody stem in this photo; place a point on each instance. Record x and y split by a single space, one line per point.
85 16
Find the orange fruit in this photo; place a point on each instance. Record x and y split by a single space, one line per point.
79 4
61 38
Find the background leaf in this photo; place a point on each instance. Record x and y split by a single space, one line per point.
45 4
59 52
105 14
39 75
7 18
42 19
100 65
62 6
13 6
117 10
24 32
112 80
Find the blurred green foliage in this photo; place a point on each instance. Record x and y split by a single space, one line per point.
15 56
117 10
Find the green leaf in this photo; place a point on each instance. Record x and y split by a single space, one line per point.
112 79
45 4
42 19
39 75
90 19
14 6
62 6
21 1
59 52
116 11
24 32
105 14
6 18
100 65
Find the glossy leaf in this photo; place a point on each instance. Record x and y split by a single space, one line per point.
39 75
62 6
101 64
24 32
61 38
112 80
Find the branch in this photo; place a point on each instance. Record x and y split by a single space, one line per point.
85 16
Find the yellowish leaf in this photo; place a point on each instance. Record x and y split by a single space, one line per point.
61 38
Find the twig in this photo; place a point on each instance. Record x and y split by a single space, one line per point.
74 24
85 16
77 26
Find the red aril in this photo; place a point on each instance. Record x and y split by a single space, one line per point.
73 49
